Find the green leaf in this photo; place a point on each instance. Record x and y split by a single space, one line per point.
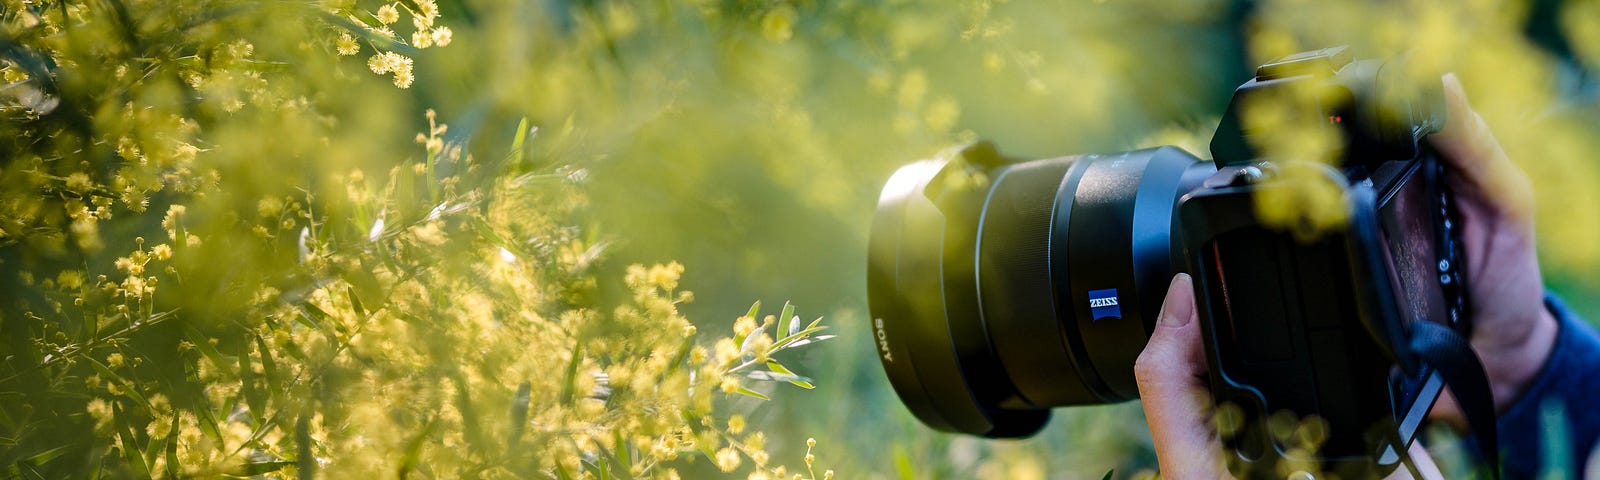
514 157
754 309
1108 474
624 464
204 345
128 388
269 368
208 423
258 468
796 338
172 449
254 398
783 320
751 393
46 456
130 450
519 412
412 6
413 452
568 393
789 376
903 464
355 300
305 462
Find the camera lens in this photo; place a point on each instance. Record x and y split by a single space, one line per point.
1000 291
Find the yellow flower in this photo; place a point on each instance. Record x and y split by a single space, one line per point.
744 325
346 44
736 424
727 459
441 36
427 10
387 14
778 24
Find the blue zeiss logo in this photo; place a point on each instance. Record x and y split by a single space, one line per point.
1103 304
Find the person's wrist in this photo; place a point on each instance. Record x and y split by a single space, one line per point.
1513 360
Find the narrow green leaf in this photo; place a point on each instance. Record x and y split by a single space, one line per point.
355 300
514 157
519 412
130 447
568 387
46 456
779 372
172 449
128 388
412 6
778 367
1107 476
305 461
259 468
752 393
269 369
624 464
413 452
754 309
254 398
796 337
208 423
903 464
562 473
204 345
783 320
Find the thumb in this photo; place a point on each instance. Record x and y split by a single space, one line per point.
1171 376
1476 160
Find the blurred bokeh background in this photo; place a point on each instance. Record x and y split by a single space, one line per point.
748 141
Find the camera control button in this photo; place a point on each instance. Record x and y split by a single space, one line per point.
1246 176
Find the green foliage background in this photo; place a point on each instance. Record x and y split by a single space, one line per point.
745 140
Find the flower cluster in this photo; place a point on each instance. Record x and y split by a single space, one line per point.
378 27
205 285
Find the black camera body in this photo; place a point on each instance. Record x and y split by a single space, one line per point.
1316 323
1002 288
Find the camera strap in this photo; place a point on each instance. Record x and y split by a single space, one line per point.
1452 356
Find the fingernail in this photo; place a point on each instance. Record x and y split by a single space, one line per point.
1456 105
1178 307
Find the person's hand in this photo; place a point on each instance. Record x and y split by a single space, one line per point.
1512 331
1171 373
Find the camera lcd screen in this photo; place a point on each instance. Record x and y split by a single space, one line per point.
1410 232
1409 224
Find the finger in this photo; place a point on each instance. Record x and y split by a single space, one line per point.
1478 163
1420 458
1171 377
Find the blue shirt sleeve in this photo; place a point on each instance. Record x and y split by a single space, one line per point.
1551 429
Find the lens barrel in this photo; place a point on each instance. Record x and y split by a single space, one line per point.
998 292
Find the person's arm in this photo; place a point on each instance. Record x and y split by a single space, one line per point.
1552 426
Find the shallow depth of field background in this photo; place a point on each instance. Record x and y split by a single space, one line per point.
747 140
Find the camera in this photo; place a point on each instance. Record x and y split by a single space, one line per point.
1001 288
